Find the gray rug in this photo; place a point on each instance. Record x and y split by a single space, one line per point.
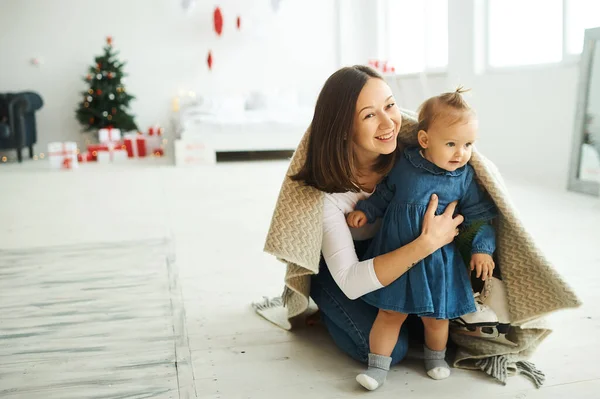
97 321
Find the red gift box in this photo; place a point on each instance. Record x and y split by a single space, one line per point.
85 157
135 144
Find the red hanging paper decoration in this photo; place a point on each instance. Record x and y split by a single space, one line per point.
238 22
209 60
218 21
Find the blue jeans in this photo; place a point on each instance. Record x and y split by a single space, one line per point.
348 321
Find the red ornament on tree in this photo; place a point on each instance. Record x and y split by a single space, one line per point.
88 77
209 60
218 21
99 92
238 22
109 75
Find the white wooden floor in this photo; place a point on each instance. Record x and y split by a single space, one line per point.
214 221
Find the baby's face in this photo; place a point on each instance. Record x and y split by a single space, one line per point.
450 146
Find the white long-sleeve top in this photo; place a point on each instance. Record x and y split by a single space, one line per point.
353 277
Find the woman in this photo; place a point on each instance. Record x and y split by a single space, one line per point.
352 145
343 155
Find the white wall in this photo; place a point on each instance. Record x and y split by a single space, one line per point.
166 51
526 115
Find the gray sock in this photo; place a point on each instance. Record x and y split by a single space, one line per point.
435 364
375 375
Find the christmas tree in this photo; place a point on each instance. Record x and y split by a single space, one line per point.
106 102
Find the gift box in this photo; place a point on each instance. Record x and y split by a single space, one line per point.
93 149
154 138
85 157
135 144
112 155
109 135
62 155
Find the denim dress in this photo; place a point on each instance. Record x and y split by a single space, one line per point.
439 285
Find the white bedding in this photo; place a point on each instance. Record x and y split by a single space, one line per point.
254 130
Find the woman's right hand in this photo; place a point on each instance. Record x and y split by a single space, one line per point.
440 230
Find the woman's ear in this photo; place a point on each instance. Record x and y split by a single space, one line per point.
423 138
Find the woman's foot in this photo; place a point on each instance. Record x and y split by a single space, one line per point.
435 364
376 373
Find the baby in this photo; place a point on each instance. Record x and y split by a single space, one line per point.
438 287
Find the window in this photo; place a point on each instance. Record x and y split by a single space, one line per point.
418 43
527 32
524 32
579 16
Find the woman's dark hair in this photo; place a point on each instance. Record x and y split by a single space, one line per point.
330 160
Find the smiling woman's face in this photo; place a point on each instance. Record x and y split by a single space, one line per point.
377 121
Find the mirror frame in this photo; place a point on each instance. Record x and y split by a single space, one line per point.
592 36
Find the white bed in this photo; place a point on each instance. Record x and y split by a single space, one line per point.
259 130
238 124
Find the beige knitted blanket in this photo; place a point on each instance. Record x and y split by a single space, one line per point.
533 287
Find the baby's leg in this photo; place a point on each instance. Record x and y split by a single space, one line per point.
382 340
436 338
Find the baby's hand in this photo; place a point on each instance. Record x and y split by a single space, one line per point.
484 264
356 219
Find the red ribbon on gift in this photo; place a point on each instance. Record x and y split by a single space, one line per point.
157 130
110 131
66 155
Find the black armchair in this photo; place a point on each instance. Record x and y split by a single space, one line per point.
17 121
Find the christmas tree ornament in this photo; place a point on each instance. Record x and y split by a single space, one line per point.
109 40
91 91
99 76
99 92
218 21
105 114
111 96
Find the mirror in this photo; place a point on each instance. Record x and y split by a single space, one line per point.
584 173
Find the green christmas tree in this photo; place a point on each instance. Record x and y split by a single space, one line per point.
106 102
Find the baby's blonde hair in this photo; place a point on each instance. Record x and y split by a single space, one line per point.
446 104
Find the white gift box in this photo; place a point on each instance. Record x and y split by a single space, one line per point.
63 155
154 139
109 135
112 156
193 153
